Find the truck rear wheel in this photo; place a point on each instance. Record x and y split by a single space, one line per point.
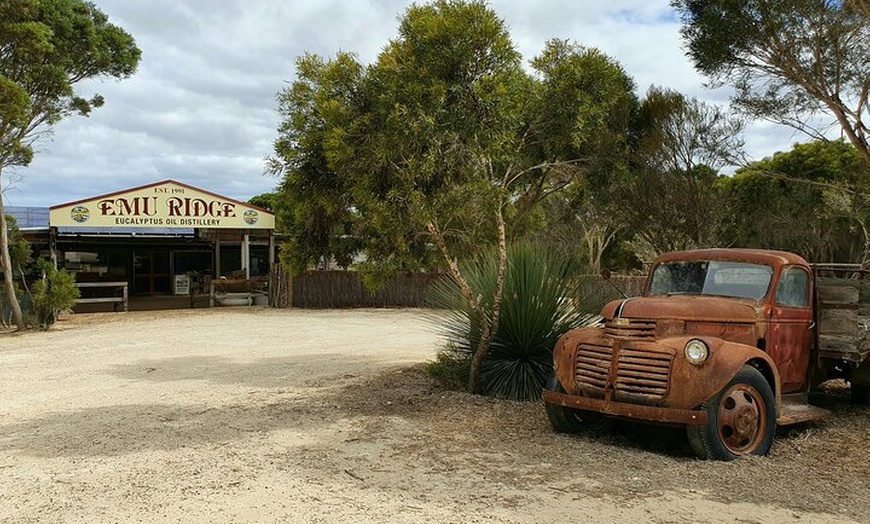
860 394
567 420
741 419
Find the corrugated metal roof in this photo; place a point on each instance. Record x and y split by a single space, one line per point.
37 218
29 217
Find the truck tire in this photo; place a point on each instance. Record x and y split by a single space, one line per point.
741 419
567 420
860 394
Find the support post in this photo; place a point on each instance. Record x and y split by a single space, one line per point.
217 257
52 245
246 255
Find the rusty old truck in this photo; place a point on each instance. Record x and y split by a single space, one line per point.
726 342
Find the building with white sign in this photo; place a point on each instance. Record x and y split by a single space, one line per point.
152 236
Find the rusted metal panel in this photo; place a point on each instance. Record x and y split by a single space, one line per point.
630 328
625 410
796 410
635 365
607 370
776 259
694 308
653 373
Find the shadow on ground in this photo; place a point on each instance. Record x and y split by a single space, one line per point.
402 413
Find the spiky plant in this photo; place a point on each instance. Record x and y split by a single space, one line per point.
541 302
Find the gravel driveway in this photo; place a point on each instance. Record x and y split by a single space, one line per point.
262 415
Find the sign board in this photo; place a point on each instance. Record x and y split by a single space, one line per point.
182 284
167 204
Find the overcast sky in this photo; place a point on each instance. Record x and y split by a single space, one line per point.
201 109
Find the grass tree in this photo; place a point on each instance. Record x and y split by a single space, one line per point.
541 292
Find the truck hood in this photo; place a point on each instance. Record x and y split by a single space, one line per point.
684 307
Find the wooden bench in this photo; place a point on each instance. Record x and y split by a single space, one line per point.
115 300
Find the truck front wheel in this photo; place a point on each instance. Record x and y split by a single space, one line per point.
741 419
567 420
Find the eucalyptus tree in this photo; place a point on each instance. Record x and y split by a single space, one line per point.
787 59
435 156
313 204
46 48
799 200
587 112
442 146
681 144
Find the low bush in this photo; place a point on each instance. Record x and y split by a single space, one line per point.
53 293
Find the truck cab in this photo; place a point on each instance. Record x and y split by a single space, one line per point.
720 341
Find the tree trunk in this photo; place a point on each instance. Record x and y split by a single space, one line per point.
853 133
492 328
865 255
488 325
6 262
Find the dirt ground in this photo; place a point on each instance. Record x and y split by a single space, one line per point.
261 415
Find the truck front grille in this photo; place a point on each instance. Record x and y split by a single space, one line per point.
592 366
640 374
630 328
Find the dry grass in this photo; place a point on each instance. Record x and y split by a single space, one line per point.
822 469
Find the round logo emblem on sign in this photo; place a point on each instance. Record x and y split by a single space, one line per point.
251 216
80 214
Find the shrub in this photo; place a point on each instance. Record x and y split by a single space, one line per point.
540 304
450 368
53 293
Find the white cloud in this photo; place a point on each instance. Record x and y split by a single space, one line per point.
202 107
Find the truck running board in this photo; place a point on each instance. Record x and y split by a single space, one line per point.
799 413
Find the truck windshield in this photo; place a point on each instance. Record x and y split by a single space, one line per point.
711 277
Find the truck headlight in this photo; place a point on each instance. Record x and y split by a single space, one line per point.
697 351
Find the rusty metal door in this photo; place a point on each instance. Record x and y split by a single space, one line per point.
791 323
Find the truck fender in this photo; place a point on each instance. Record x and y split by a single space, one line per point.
726 360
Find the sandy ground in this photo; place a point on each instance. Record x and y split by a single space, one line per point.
260 415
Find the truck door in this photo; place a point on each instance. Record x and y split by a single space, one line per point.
790 333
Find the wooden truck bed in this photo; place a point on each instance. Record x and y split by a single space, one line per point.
843 312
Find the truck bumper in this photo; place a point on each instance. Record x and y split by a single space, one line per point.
688 417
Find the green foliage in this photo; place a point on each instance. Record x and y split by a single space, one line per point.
786 59
450 368
675 200
783 202
19 248
53 293
540 304
265 201
586 106
445 127
46 48
585 111
445 105
313 205
677 133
